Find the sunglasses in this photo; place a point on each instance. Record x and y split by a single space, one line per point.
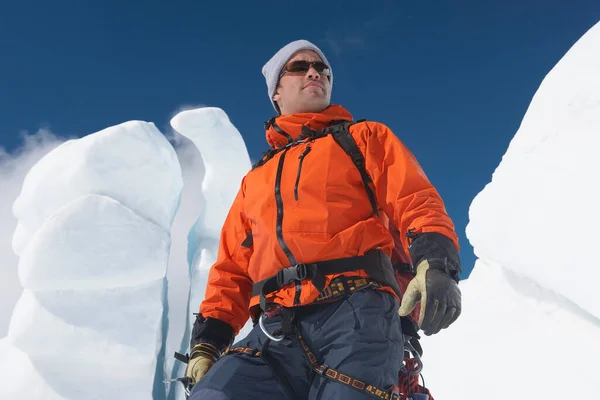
302 67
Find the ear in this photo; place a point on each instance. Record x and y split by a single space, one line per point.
276 96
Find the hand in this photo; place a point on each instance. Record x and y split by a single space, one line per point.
203 356
438 293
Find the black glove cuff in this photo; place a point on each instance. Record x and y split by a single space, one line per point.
438 250
441 264
213 331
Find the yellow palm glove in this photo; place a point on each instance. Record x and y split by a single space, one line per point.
203 356
438 293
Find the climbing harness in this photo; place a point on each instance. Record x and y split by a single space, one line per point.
408 387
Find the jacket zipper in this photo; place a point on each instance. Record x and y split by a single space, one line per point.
279 223
301 157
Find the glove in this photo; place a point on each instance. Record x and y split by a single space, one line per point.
210 338
438 293
203 356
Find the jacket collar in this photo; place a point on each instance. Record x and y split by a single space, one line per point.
286 128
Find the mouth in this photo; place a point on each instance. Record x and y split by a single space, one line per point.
314 84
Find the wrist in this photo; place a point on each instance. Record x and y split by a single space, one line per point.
442 264
211 332
205 350
438 250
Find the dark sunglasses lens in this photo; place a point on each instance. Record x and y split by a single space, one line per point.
304 66
298 66
320 67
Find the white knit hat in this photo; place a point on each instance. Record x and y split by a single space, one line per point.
272 69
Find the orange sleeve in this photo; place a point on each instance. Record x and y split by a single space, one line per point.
402 188
229 288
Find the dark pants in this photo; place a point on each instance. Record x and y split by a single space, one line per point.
359 336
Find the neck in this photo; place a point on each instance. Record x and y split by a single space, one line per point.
286 128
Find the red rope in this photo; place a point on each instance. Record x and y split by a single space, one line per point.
408 384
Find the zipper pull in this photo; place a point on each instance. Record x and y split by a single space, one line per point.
301 157
411 235
305 152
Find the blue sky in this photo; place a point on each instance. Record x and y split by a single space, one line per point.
451 79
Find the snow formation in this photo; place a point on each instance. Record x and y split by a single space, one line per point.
93 239
225 161
530 327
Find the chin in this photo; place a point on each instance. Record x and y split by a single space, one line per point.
310 107
316 107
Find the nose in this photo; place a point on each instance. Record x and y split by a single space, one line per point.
313 74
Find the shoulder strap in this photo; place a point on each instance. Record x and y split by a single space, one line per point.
344 139
267 155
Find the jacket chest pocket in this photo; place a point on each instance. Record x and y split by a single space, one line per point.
301 157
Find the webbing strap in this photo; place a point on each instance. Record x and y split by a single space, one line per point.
343 286
330 373
315 272
335 266
334 375
286 276
344 139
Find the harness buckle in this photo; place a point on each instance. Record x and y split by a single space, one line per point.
301 271
288 275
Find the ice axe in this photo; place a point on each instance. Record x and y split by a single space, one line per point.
186 381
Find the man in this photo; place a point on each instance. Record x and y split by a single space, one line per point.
305 252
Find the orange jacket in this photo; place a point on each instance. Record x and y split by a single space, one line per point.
324 209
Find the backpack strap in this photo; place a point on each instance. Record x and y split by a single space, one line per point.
267 155
341 134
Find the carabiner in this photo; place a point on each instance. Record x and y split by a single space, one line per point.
417 359
269 335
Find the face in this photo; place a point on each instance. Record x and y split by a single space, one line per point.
303 92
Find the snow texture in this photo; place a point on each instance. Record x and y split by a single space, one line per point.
13 168
530 326
93 239
136 156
